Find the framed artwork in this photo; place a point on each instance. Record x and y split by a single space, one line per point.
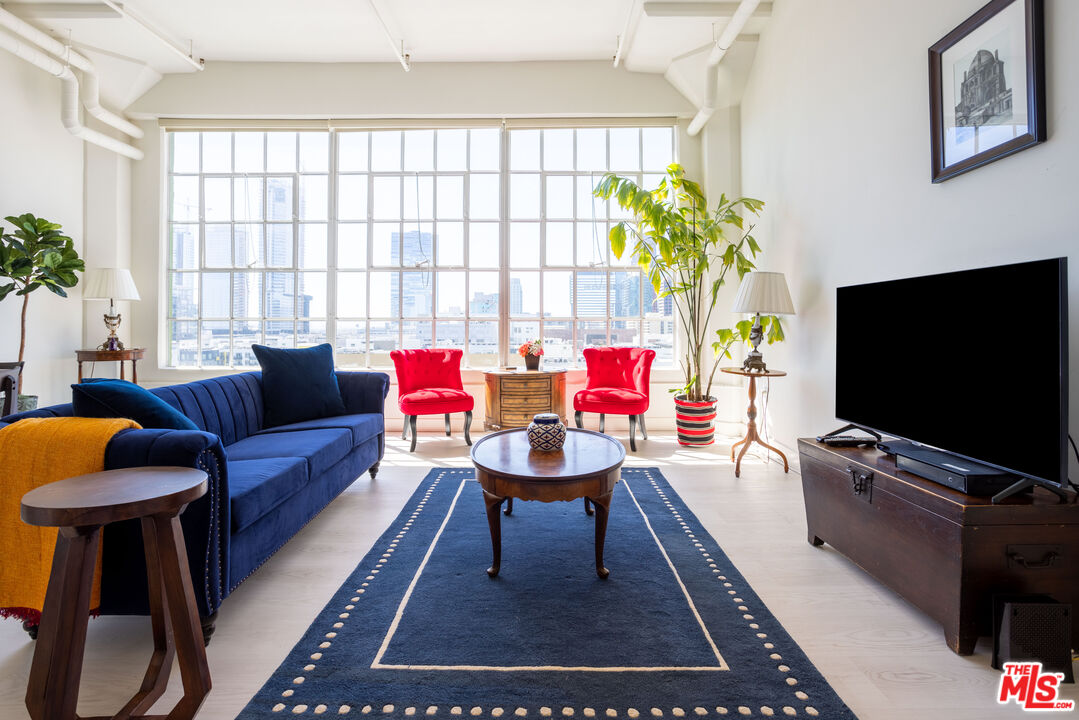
987 87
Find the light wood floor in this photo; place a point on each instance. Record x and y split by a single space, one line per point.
883 657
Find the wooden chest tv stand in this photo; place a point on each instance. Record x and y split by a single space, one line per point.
945 552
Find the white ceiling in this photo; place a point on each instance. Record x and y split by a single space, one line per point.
662 38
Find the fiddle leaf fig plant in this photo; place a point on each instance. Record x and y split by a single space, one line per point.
37 254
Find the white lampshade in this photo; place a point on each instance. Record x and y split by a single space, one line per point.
109 284
764 292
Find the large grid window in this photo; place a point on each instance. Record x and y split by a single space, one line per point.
477 238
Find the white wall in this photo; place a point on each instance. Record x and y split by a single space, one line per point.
41 172
835 137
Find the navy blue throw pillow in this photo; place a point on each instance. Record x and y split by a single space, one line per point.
101 398
298 384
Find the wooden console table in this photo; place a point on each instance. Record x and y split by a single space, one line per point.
132 354
944 552
513 397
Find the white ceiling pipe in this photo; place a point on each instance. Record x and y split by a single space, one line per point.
711 72
165 40
69 97
90 92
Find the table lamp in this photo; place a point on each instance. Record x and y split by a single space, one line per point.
110 284
761 292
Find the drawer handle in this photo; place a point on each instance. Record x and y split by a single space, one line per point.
1048 561
860 482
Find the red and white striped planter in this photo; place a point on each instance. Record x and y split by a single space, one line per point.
695 420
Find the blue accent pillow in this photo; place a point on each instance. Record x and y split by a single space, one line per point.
104 398
298 384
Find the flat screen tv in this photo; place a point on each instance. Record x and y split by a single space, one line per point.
974 363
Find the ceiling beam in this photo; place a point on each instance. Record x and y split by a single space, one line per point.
701 10
625 40
62 11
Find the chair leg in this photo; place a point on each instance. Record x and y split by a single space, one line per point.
602 417
412 429
640 422
468 426
447 424
633 433
578 417
404 428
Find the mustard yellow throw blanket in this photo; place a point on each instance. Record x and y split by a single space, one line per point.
35 452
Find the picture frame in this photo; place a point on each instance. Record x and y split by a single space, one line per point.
987 87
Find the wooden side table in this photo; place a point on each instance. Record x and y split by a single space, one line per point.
514 396
751 413
132 354
79 507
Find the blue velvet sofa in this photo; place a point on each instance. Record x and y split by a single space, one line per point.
265 483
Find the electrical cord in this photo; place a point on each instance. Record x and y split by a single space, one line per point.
1076 451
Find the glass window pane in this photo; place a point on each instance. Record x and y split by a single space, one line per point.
218 250
658 148
419 150
416 335
524 245
216 152
557 149
559 243
386 150
185 152
314 152
314 197
218 199
520 333
247 198
312 246
280 295
183 344
558 294
592 149
482 344
247 295
185 198
592 294
352 151
483 199
451 197
279 198
183 295
417 245
451 294
626 333
184 247
350 345
215 344
352 197
351 294
452 149
558 343
419 200
483 293
484 149
387 198
247 241
385 294
310 332
386 244
451 243
416 292
625 149
625 294
559 197
281 334
244 333
352 245
382 338
524 150
450 335
590 333
592 243
250 152
524 294
215 295
651 181
588 205
279 245
281 152
311 295
524 196
483 245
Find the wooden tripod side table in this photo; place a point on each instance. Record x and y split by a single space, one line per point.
120 356
751 413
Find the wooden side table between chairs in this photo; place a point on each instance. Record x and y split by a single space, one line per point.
120 356
751 413
79 507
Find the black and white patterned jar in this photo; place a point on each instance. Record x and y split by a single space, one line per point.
546 432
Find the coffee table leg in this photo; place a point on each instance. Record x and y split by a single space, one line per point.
494 522
603 504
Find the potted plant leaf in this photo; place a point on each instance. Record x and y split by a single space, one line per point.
36 255
686 251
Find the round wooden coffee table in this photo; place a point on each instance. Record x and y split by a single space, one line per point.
586 467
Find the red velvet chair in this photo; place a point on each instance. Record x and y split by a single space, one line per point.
617 383
429 383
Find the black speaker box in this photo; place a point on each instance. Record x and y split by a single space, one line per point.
1033 628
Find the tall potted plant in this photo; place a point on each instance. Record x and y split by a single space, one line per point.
38 254
686 252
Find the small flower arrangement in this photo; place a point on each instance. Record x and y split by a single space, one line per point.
532 347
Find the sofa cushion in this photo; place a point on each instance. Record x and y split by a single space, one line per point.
298 384
229 406
258 486
121 399
363 426
435 400
613 400
319 448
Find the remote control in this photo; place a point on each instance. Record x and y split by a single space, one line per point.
845 441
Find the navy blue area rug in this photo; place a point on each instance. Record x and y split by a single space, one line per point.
420 630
